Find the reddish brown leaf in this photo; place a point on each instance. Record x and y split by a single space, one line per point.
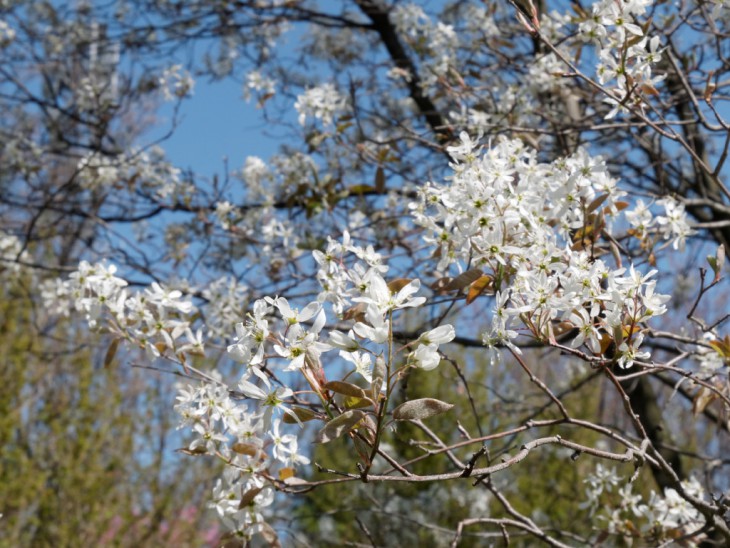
478 287
248 497
464 280
399 283
302 413
286 473
596 203
380 180
345 388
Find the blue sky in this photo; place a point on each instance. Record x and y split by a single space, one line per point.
216 123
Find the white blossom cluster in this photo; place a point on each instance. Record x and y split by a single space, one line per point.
672 225
435 43
256 176
259 84
11 250
176 83
525 223
710 360
626 55
322 103
146 169
96 170
278 338
226 214
264 185
154 319
275 338
227 428
7 33
227 300
662 517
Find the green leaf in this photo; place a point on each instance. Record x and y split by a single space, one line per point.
717 262
420 409
352 402
361 189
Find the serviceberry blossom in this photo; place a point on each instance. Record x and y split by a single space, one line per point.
272 399
426 355
227 299
385 300
434 42
11 250
363 363
7 34
601 480
323 103
175 83
300 344
525 224
376 328
627 58
611 500
154 318
256 82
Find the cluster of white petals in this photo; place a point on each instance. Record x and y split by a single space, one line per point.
155 318
533 227
175 83
148 169
11 251
322 103
434 42
663 517
262 86
627 57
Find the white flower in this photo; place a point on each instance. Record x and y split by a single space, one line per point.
176 83
271 400
363 363
168 298
381 296
263 85
292 315
439 335
587 331
300 344
426 356
344 342
323 102
377 329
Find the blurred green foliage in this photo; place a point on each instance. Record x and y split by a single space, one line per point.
423 514
87 448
